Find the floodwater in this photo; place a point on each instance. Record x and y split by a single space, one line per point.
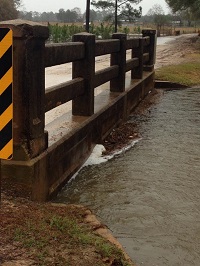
165 39
149 196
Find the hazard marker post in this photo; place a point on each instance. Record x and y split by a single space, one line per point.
6 95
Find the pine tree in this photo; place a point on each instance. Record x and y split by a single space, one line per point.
121 9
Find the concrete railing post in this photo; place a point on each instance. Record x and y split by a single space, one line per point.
118 84
28 88
149 66
85 68
137 73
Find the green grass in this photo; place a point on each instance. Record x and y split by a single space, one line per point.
41 236
106 249
186 73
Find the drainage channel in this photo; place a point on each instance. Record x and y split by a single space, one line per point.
149 196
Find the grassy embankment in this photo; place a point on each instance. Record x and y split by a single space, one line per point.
46 234
186 73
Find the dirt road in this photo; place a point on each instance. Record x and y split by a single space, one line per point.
177 50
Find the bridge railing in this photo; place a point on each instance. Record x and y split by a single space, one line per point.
32 55
82 52
41 169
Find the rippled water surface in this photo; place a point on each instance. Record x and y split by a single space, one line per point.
149 196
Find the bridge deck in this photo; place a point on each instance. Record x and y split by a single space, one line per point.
60 120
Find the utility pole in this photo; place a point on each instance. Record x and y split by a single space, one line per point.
115 16
87 26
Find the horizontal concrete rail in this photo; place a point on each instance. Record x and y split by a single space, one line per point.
105 75
132 43
70 52
131 64
61 53
62 93
103 47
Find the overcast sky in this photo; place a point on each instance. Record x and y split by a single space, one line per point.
55 5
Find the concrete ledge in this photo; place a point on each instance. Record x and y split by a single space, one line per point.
161 84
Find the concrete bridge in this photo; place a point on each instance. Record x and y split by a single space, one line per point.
39 167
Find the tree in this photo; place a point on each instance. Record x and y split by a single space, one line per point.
94 15
187 15
159 17
8 9
61 15
193 6
178 5
17 3
78 13
122 9
36 16
67 16
26 15
48 16
190 8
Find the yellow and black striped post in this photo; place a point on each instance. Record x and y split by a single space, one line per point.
6 101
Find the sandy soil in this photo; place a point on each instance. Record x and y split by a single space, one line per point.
176 51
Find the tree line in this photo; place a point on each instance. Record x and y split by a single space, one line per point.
103 12
66 16
112 11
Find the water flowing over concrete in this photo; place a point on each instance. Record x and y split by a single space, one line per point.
149 196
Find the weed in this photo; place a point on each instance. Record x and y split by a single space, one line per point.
63 33
18 234
106 249
61 224
86 239
186 73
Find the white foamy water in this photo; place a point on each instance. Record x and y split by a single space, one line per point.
97 156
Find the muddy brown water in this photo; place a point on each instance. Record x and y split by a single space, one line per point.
149 196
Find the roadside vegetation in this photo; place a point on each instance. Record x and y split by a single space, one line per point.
64 33
186 73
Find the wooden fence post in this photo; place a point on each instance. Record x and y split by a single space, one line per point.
29 136
84 105
118 84
137 73
151 48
